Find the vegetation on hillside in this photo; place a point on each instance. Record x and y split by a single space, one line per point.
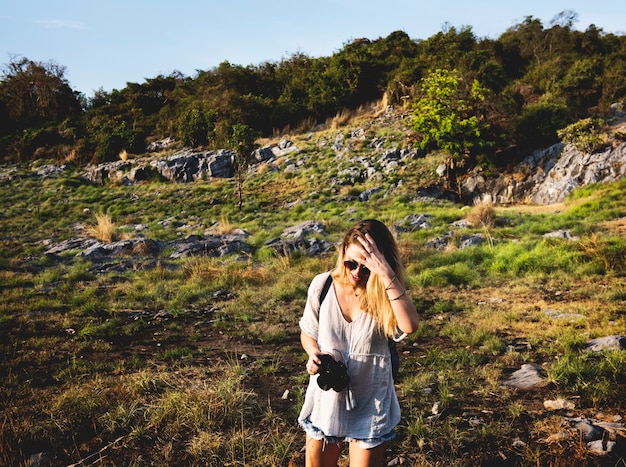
150 359
518 89
146 359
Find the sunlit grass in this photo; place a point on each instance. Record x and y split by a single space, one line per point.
87 349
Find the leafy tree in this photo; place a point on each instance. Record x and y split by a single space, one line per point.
35 92
539 122
196 127
447 115
36 107
242 143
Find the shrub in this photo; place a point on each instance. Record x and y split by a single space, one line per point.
584 135
538 124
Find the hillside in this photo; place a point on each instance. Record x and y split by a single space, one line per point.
155 322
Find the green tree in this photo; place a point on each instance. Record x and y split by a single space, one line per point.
242 143
195 127
447 115
37 108
538 123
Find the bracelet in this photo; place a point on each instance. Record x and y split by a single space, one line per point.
392 280
399 296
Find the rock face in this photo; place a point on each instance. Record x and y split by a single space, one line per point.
184 166
549 175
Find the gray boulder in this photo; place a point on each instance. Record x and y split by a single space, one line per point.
184 166
529 376
606 343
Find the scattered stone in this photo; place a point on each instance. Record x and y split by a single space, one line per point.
519 347
184 166
529 376
606 343
161 145
285 395
296 239
443 242
556 314
212 246
461 224
396 461
558 404
223 294
518 444
367 194
471 240
413 222
601 447
47 170
589 431
566 234
474 422
548 175
304 229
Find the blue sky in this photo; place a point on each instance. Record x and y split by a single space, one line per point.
105 44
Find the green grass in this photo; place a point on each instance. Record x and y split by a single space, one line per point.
85 362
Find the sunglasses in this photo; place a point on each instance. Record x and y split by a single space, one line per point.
352 265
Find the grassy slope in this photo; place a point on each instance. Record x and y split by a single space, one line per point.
151 366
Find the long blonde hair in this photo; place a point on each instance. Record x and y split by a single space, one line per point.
374 301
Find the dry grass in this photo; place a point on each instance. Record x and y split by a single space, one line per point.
104 229
224 227
124 156
482 215
341 119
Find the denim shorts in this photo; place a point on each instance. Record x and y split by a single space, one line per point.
369 443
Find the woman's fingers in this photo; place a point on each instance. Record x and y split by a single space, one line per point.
312 365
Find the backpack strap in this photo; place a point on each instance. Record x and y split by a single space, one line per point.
326 288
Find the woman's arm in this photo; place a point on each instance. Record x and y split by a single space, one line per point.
401 303
311 347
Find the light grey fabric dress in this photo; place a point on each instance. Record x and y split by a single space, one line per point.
369 408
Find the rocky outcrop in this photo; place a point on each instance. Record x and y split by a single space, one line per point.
302 237
184 166
549 175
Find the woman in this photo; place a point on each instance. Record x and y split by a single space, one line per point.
367 304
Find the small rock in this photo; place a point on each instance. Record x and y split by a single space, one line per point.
556 314
601 447
529 376
558 404
606 343
518 443
589 431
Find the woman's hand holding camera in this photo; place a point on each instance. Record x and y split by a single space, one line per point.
313 364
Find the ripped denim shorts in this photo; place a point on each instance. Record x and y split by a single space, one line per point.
369 443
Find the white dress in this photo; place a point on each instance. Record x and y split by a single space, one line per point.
373 410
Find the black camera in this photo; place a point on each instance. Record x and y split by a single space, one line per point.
332 374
